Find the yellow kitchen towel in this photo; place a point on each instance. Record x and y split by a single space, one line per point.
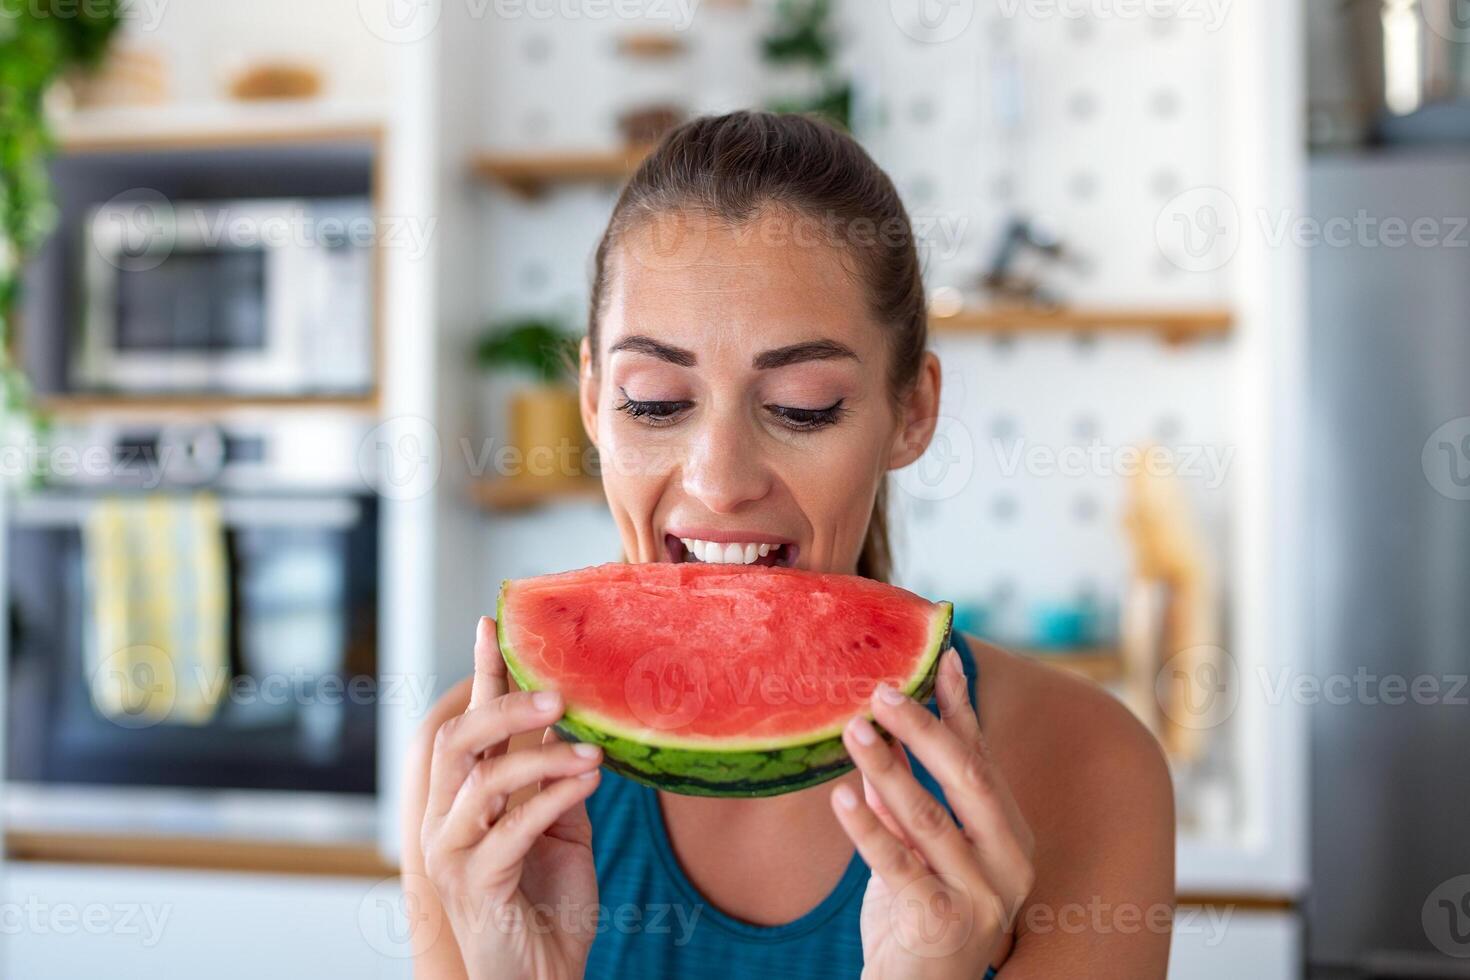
158 648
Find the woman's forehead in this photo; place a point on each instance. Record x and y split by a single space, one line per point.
756 284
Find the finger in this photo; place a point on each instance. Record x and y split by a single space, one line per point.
875 801
888 856
463 739
490 677
483 797
972 783
926 824
513 835
952 692
573 825
958 714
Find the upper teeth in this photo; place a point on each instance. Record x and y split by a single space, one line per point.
727 553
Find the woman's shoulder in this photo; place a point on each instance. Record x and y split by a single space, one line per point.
1078 760
1016 690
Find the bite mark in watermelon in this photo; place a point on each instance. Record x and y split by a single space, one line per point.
714 680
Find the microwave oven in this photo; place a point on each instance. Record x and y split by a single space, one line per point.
241 297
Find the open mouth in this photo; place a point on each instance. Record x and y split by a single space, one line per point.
754 553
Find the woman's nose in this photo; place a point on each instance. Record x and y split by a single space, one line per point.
724 469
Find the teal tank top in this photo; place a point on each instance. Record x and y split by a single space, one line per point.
653 923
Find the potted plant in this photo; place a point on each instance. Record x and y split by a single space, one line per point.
545 421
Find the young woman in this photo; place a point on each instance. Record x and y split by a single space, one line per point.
755 364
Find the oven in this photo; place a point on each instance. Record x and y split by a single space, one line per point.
295 703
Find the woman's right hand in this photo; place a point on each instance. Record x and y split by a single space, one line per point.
517 883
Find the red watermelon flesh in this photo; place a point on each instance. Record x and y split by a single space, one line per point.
720 680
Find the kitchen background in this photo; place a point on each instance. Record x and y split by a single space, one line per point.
1201 439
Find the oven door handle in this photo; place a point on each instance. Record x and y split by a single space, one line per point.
326 513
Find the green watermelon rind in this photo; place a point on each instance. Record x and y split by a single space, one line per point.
808 760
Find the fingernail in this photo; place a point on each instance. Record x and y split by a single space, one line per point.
480 627
590 774
586 750
545 700
954 661
863 731
845 797
891 694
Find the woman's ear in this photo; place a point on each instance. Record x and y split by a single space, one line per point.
587 390
920 414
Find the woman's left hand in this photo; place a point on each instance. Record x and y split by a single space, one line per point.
943 895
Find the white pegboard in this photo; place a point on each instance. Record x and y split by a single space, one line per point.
1092 122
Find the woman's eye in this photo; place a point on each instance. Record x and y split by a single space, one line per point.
806 419
652 412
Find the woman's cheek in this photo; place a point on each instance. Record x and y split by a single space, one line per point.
833 482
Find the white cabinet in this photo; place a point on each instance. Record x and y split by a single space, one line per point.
1216 943
65 921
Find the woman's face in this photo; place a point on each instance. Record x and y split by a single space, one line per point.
741 404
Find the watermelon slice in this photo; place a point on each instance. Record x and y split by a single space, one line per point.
717 680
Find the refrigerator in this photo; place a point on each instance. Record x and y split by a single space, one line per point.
1389 505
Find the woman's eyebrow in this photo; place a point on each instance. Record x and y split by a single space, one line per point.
811 350
639 344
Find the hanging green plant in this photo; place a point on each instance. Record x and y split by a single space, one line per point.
802 37
39 41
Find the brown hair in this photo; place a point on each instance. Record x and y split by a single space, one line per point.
734 167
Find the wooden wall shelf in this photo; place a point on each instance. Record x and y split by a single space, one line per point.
530 174
1098 664
504 495
213 126
73 406
1175 325
198 853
